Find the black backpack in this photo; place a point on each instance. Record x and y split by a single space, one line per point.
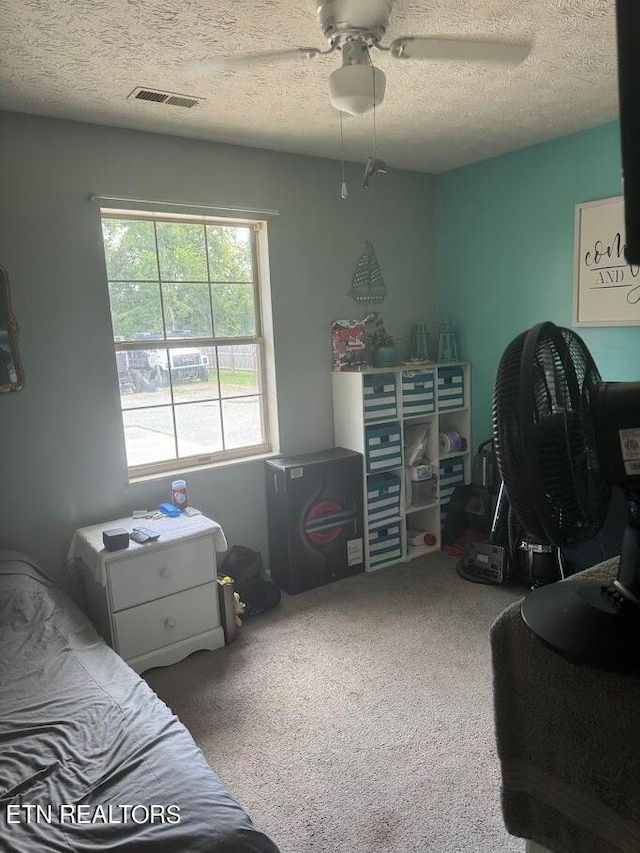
484 469
250 578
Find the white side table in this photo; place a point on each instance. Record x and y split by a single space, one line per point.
154 603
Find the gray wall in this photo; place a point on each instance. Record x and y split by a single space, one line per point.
62 457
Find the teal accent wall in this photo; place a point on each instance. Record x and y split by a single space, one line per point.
505 253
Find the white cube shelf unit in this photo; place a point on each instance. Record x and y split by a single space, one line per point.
373 413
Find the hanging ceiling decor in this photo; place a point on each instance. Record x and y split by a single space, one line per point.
367 283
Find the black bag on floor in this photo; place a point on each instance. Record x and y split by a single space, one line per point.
484 469
250 578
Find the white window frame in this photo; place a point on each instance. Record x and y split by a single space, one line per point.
262 339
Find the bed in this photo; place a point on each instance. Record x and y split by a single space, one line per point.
91 759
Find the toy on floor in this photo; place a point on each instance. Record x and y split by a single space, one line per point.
239 608
238 605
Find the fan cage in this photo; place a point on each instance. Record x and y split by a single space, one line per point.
545 438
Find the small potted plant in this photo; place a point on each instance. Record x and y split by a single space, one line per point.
383 346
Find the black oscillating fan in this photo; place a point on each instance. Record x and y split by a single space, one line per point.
563 438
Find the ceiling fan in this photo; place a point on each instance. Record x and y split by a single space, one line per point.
355 27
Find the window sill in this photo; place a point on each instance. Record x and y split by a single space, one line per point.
194 469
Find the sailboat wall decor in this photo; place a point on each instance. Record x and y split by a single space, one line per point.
367 283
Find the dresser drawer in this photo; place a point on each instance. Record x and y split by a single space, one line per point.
168 620
162 571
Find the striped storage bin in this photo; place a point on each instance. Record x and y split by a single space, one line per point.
383 498
450 388
384 544
418 392
451 475
383 447
380 397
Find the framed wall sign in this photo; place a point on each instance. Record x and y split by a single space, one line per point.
606 289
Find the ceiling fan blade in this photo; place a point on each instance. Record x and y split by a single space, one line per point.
460 50
223 63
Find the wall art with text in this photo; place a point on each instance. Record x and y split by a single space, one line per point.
606 288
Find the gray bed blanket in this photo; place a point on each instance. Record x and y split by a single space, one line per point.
90 758
568 742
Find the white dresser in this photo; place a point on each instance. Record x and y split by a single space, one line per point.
158 602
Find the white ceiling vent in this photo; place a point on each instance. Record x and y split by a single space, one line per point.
140 93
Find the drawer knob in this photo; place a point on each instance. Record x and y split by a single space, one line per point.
171 622
165 573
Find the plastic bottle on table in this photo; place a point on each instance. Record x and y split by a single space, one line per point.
179 493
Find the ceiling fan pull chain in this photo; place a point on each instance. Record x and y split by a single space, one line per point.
373 77
343 188
375 136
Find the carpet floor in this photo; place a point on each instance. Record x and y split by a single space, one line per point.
358 717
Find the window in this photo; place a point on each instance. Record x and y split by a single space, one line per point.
189 347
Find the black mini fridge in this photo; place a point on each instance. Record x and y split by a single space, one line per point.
314 513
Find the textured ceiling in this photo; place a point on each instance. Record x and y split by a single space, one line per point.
80 59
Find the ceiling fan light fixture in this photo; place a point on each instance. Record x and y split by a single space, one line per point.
352 87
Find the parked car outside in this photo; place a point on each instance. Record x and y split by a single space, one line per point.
187 364
145 370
